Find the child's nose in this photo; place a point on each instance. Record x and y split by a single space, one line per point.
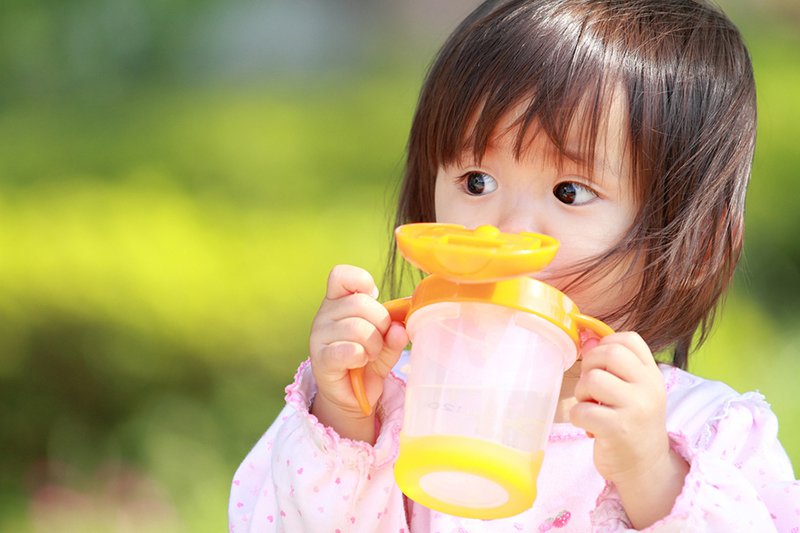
523 218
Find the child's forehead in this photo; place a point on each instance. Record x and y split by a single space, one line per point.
592 135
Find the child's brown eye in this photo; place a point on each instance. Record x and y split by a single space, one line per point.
572 193
479 183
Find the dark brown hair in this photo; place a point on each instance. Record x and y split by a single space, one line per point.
686 78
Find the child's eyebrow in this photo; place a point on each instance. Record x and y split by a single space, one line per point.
467 156
572 152
576 155
599 165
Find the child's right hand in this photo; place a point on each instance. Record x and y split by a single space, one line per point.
351 330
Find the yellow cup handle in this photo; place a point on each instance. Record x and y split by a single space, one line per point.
598 327
398 311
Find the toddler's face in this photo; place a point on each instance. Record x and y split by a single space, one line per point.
588 212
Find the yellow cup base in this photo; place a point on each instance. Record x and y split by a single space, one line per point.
468 477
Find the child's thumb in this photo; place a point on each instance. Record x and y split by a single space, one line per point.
394 341
589 344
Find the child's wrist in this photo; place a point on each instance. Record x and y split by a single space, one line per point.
648 494
352 424
636 477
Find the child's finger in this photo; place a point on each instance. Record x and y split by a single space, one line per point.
395 340
361 306
340 356
598 385
633 342
589 344
594 418
348 279
614 358
356 330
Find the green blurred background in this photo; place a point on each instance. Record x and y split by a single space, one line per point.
176 179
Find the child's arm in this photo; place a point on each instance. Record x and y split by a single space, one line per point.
622 402
329 467
302 476
724 470
351 330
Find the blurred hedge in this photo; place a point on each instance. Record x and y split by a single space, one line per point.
162 264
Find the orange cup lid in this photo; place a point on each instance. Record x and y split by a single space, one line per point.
521 293
482 255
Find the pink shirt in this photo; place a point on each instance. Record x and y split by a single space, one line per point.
302 476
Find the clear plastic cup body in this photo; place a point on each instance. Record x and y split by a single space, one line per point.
484 371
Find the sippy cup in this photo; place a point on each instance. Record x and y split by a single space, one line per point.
489 349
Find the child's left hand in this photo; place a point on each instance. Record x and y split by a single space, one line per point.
622 402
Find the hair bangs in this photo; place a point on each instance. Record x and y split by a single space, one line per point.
550 73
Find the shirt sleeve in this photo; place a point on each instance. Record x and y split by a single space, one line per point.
740 478
303 476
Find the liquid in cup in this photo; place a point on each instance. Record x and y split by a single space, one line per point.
480 400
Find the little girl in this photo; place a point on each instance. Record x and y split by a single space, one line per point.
625 130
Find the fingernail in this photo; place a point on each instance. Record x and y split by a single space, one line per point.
589 344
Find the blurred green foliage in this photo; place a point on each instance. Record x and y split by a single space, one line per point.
164 246
153 320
